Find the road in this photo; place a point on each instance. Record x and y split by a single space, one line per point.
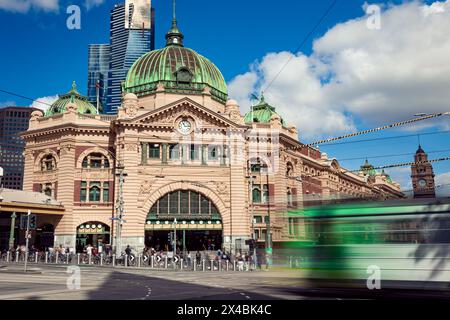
50 282
47 282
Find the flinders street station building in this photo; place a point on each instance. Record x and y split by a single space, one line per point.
179 155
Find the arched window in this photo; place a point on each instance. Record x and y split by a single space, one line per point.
48 163
184 203
96 161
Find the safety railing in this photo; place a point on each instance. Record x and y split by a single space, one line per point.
151 262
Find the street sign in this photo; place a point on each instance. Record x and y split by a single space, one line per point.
158 258
131 258
175 259
170 255
145 258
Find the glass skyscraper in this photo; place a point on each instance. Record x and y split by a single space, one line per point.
98 70
131 36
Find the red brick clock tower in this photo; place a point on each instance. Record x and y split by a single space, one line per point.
422 176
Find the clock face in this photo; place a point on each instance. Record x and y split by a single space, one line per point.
422 183
184 127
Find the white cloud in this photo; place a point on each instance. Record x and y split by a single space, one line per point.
378 76
89 4
44 102
23 6
443 183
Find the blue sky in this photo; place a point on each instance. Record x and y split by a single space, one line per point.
40 57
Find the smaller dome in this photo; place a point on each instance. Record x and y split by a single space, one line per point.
130 96
262 113
232 103
368 169
72 97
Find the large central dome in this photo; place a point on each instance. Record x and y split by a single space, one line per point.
179 69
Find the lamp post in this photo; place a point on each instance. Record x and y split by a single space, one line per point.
11 232
175 237
27 240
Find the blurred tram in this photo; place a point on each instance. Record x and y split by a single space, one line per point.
408 241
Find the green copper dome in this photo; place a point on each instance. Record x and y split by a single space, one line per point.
262 113
368 169
73 96
179 69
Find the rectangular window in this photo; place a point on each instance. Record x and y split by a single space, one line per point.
184 202
164 205
94 192
83 192
195 207
256 194
174 201
258 219
195 152
205 205
154 151
174 152
106 192
213 153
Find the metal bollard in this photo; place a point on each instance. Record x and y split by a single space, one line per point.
90 259
101 260
181 264
234 265
17 257
78 258
195 264
126 260
36 255
139 261
204 265
8 256
67 258
212 265
152 263
166 262
228 265
114 260
56 257
220 265
46 257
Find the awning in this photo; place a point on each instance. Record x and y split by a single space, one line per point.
10 207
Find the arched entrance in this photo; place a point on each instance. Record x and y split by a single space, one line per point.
92 233
198 224
45 237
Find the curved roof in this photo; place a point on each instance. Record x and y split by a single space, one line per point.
368 169
262 113
179 69
73 96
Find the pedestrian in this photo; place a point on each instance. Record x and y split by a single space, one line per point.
89 250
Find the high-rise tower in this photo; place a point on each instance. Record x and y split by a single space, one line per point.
422 176
131 37
132 32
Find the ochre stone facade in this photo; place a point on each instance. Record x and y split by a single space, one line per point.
218 167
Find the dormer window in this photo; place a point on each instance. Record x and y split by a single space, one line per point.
184 75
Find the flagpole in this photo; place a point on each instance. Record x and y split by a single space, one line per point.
98 96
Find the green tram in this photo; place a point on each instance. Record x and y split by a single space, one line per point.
407 241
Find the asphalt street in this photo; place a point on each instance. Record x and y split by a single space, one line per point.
50 282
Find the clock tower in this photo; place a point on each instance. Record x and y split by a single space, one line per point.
422 176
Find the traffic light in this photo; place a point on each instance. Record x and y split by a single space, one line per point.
33 222
169 237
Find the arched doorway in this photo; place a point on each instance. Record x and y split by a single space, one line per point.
45 237
198 224
92 233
